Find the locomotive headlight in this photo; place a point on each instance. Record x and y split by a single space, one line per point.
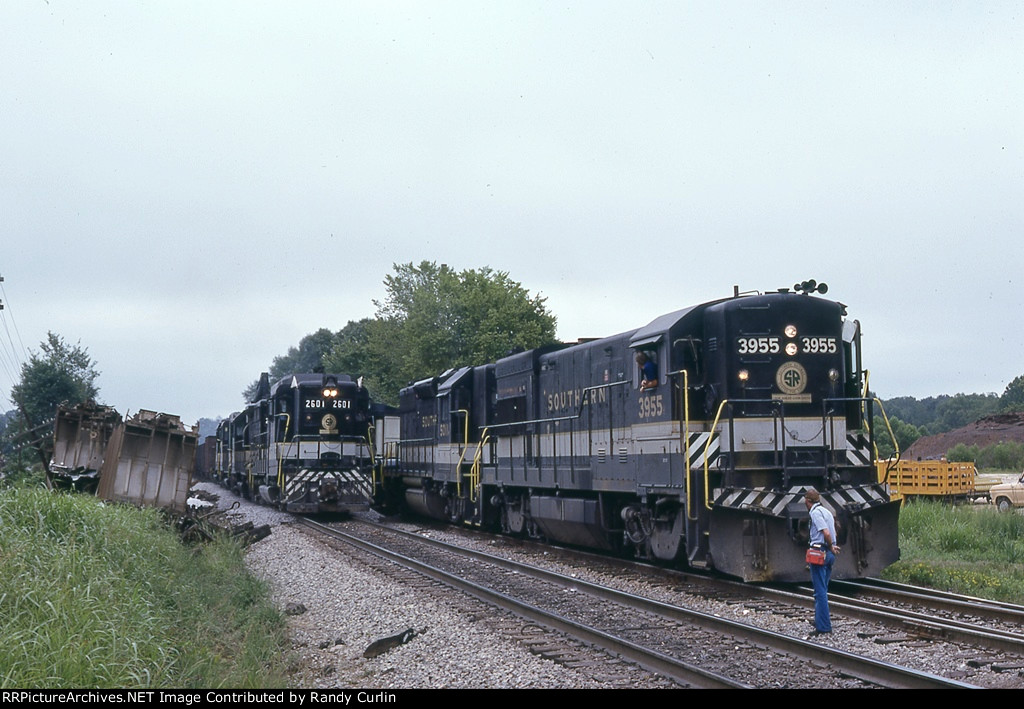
330 393
790 331
791 349
743 374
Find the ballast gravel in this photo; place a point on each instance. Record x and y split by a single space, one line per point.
348 607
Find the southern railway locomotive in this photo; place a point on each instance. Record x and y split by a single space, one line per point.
754 399
303 444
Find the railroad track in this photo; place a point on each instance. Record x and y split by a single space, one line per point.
690 647
991 625
911 614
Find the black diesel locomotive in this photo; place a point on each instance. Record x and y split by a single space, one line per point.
304 444
753 399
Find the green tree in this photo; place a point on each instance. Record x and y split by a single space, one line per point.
906 434
937 414
1013 397
307 357
435 318
432 318
58 373
963 453
361 349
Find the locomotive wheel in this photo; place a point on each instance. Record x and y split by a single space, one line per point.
667 536
514 516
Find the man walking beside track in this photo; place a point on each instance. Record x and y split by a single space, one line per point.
823 536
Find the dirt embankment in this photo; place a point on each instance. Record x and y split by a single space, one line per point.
983 432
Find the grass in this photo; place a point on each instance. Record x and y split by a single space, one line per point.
99 595
965 549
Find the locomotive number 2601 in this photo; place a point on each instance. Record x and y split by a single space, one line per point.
321 404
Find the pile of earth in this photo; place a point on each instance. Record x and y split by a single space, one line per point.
983 432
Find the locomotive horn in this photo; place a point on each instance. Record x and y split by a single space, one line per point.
811 286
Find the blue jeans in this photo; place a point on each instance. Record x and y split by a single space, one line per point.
820 576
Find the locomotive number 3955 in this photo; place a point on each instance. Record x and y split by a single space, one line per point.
758 345
651 406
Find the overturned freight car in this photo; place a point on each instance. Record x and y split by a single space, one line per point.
149 461
80 437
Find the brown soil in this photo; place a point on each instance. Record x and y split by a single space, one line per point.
983 432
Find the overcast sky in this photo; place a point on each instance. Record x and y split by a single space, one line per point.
190 187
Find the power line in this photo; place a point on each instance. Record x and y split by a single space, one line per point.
3 292
9 360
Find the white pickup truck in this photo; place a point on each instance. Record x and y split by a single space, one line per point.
1006 496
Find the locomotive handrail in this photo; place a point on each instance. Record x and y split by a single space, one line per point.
370 431
780 405
462 456
684 443
707 447
862 400
867 397
556 419
474 474
414 440
306 438
287 422
892 436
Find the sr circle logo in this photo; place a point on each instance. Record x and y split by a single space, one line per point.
791 378
329 422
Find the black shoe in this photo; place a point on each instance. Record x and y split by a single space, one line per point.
816 632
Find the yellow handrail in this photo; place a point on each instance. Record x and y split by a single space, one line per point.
462 456
707 447
895 443
474 470
280 460
892 436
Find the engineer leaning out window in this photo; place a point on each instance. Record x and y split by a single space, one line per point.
648 371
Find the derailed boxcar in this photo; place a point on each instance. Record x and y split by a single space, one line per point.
80 437
149 462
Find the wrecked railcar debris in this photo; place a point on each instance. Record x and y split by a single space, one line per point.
379 647
149 461
203 529
80 437
197 526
